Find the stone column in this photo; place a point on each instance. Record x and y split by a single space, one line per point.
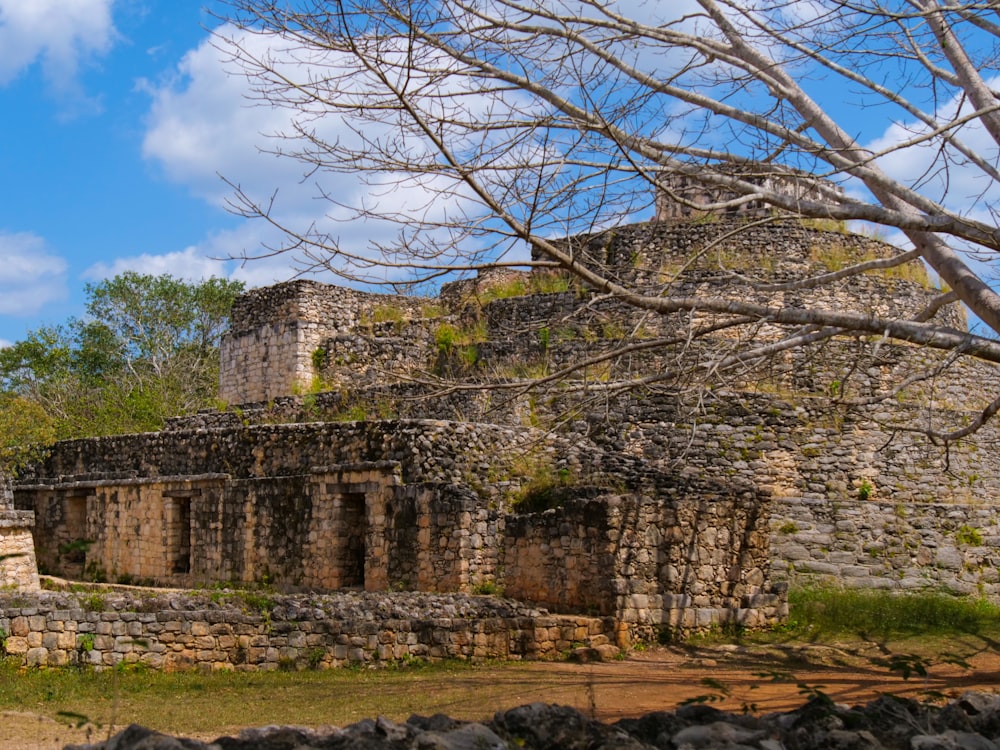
18 569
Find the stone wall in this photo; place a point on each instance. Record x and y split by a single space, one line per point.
18 569
693 557
680 196
424 505
888 545
787 422
674 531
426 450
293 337
275 331
804 446
255 631
792 444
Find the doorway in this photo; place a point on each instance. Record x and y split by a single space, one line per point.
353 547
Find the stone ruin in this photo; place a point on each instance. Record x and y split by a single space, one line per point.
685 197
344 460
18 569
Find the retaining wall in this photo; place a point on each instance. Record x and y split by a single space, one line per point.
693 557
886 545
254 631
274 332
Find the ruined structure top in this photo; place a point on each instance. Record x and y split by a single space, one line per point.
682 196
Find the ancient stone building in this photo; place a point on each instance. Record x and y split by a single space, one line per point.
683 197
18 569
344 460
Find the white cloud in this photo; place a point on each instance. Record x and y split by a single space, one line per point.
58 33
190 264
30 278
203 125
942 174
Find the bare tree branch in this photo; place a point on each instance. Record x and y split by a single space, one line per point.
514 124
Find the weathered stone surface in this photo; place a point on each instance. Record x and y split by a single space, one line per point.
885 724
250 631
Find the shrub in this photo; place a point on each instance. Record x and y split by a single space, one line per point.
865 490
487 588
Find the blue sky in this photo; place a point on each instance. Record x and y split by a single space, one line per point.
115 131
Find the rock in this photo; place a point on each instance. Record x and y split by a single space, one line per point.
888 723
540 726
952 741
607 652
716 734
468 737
136 737
584 654
976 703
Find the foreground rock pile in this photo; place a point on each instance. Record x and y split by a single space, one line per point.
970 723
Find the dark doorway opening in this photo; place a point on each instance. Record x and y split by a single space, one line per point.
179 535
355 528
75 514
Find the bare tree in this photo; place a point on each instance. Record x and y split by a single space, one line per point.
484 127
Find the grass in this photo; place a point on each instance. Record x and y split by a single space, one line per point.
835 256
816 613
537 282
200 703
922 628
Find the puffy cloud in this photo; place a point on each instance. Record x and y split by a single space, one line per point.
212 257
944 175
204 124
58 33
190 264
30 278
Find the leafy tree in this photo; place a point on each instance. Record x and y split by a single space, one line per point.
146 350
512 123
25 428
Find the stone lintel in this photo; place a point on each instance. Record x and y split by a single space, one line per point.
71 484
17 519
382 466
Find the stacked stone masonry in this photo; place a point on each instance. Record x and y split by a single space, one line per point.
789 428
681 196
409 520
340 466
246 632
18 569
891 546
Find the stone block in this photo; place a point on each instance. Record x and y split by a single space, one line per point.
36 657
16 645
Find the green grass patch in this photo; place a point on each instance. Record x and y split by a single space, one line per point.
825 611
200 703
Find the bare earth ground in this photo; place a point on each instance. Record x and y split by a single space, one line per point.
728 677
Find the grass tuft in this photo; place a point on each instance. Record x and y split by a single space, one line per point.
834 611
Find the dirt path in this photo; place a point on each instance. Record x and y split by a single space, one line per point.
732 678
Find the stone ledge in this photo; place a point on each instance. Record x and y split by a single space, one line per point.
17 519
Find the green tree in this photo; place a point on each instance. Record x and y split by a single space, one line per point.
25 429
146 350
